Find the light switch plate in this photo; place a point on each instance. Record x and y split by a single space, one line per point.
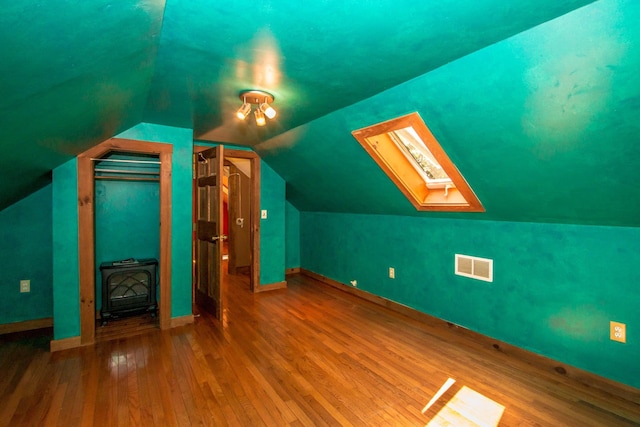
263 214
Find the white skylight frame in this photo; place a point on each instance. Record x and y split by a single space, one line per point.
399 138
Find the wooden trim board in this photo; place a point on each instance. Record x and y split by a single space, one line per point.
26 325
166 193
65 344
506 353
293 270
271 287
181 321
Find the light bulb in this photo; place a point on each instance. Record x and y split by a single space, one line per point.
243 111
260 120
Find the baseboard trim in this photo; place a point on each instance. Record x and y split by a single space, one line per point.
26 325
271 287
65 344
292 270
181 321
508 353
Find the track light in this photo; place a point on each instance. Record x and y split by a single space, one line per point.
262 101
268 110
260 120
243 111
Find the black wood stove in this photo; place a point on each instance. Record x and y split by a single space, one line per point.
128 288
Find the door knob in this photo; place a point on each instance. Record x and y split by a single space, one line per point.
220 237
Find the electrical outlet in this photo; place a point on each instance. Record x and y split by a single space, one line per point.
618 331
392 273
263 214
25 286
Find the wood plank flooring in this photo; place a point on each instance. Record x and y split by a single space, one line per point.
308 355
126 327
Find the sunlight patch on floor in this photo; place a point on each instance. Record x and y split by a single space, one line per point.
439 394
467 408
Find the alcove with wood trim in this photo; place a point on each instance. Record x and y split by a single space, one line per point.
86 225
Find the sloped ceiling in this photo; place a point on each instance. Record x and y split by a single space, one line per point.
534 100
544 126
72 74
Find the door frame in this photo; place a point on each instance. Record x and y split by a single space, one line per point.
86 228
254 214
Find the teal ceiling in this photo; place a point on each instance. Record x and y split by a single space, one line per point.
544 126
72 74
535 100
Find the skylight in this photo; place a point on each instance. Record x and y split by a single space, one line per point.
413 159
427 165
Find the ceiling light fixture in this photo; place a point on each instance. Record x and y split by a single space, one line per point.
244 110
262 101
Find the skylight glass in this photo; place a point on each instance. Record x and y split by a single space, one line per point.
426 163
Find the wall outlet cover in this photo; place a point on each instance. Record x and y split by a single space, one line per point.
618 331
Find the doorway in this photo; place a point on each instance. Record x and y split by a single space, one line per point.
226 238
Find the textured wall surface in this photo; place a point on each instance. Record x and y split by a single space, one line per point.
66 280
26 253
127 223
555 287
272 229
292 236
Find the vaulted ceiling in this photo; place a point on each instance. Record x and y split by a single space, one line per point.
536 101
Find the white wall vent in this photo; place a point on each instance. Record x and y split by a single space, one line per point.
474 267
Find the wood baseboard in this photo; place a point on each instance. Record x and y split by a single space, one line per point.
271 287
507 353
27 325
65 344
293 270
181 321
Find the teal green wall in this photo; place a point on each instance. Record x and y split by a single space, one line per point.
26 252
127 223
555 288
272 229
182 141
292 236
66 282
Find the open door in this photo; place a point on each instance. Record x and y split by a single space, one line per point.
209 292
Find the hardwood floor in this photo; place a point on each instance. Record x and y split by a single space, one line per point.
308 355
126 327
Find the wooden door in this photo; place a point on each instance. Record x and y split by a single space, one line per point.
209 292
